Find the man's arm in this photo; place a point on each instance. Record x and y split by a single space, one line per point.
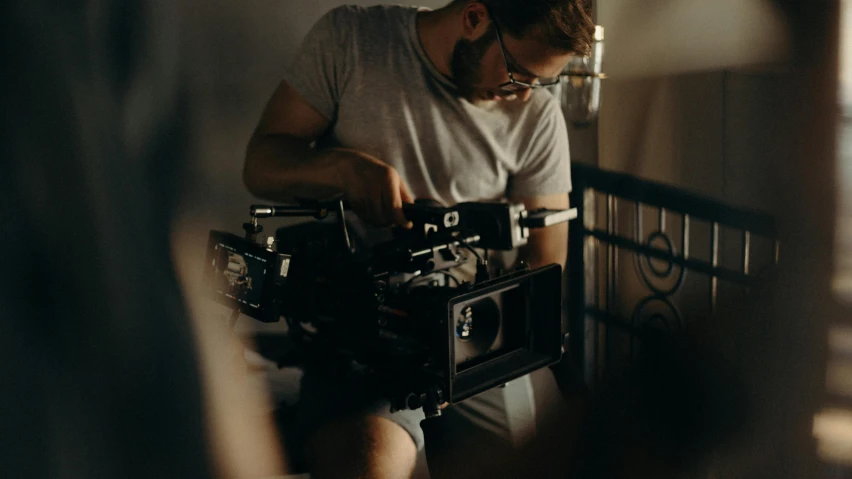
281 164
546 245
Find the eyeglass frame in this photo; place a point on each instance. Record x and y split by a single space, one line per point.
519 85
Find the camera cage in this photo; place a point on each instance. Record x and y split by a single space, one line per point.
379 307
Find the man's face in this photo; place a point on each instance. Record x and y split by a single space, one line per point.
479 68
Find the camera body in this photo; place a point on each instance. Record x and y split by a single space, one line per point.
397 309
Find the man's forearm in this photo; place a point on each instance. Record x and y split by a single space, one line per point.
282 168
546 245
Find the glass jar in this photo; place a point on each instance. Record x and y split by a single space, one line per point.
580 88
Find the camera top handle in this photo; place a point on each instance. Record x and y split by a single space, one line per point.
307 208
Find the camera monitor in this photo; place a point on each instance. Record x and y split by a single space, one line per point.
243 275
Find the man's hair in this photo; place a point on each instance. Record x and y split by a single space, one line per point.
565 25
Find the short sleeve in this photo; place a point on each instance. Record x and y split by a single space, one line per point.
545 168
322 65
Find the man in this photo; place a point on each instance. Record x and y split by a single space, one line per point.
388 104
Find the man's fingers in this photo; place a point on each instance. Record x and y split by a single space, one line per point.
397 194
381 210
400 220
383 200
398 214
405 195
389 199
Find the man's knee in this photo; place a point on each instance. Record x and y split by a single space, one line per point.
361 446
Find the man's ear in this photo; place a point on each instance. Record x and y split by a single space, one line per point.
475 20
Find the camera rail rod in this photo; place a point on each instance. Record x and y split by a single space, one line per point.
264 211
317 211
542 218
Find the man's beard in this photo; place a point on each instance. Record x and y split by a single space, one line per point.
466 62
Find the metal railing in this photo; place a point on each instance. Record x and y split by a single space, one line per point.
645 255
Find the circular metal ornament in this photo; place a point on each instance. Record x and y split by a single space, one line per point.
662 316
644 263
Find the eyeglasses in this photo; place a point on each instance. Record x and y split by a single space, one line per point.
516 85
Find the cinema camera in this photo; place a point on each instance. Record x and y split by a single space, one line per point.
398 309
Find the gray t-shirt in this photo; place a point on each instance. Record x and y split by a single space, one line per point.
366 71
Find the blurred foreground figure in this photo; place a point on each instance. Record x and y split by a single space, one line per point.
98 366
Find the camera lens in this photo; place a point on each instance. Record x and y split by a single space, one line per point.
464 325
477 325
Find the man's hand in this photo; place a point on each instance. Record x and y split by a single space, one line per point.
374 188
